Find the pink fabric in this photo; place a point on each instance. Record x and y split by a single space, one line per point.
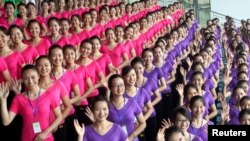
57 91
83 35
94 69
103 62
115 54
70 81
62 41
129 45
21 105
138 44
74 40
3 68
2 13
29 54
82 76
42 47
4 22
14 62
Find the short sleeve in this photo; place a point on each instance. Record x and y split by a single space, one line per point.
137 109
63 90
74 80
15 105
4 66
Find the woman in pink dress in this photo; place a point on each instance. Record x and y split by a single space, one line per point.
70 81
75 22
13 59
73 39
56 37
103 59
10 18
35 105
95 71
29 53
40 44
128 42
32 14
115 50
4 72
57 90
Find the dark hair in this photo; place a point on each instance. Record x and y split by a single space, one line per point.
240 73
4 30
181 111
137 60
197 64
77 16
126 70
53 19
28 67
30 3
64 19
42 57
14 27
99 98
197 73
236 88
9 3
146 50
106 31
32 22
55 46
187 87
196 98
241 82
85 41
242 113
111 78
69 46
170 131
243 99
97 38
242 65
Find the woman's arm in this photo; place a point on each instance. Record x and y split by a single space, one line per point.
142 125
148 111
163 85
77 96
125 61
67 106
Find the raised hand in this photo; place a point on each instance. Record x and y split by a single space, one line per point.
4 90
79 129
15 85
160 134
90 114
225 111
180 89
166 123
183 71
189 62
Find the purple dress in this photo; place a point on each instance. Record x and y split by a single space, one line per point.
200 132
234 113
197 138
126 116
209 101
141 97
114 134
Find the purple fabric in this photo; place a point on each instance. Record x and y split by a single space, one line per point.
141 97
197 138
155 74
166 69
114 134
200 132
209 85
125 116
209 100
234 112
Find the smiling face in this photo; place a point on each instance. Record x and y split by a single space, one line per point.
3 39
130 78
117 87
43 67
198 81
96 45
182 122
139 69
70 56
85 49
30 78
34 29
198 109
56 57
54 27
101 111
16 35
148 57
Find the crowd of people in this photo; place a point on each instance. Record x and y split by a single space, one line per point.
94 70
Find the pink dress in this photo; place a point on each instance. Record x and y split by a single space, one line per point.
104 61
82 75
43 105
29 54
42 47
115 54
129 45
83 35
3 68
94 70
14 62
62 41
4 22
70 81
73 40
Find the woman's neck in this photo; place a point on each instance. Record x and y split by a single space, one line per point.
71 65
33 91
131 90
35 40
117 99
96 54
197 120
101 124
148 66
57 69
4 50
20 46
158 61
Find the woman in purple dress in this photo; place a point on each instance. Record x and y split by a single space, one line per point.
198 124
101 129
123 111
